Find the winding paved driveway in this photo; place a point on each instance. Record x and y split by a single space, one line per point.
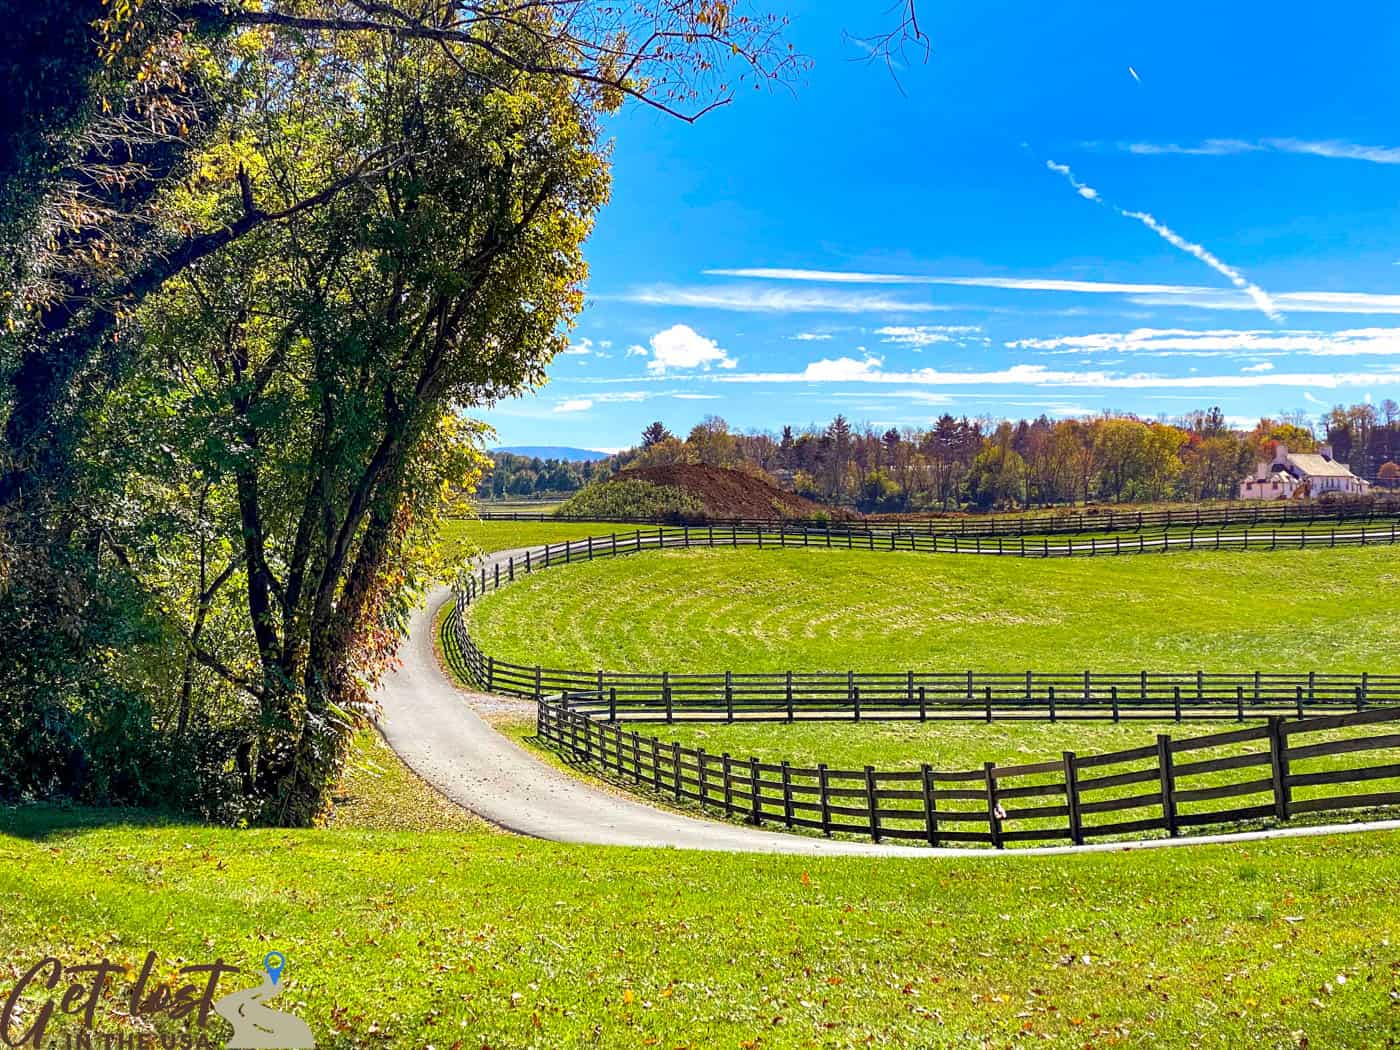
439 732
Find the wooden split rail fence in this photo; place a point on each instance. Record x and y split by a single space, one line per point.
1109 520
904 694
1271 771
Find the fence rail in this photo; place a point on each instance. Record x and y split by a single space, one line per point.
1070 522
1167 785
909 694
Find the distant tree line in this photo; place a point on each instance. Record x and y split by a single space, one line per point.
528 477
986 463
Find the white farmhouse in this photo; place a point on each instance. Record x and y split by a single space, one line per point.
1287 475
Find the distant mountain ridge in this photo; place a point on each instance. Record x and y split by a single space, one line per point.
575 455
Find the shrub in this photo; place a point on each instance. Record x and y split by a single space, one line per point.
631 498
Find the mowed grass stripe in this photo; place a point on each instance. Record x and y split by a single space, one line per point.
749 610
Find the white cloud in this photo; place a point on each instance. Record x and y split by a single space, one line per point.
1171 342
870 370
756 299
1256 294
623 396
636 351
841 369
1331 148
1262 366
576 404
697 397
1291 302
925 334
1032 284
1142 294
1309 397
811 337
1087 192
682 347
579 347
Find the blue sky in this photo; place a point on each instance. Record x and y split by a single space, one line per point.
1022 224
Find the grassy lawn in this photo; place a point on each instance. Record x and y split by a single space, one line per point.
507 535
435 934
710 610
955 746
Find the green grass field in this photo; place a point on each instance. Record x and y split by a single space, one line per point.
508 535
710 610
435 934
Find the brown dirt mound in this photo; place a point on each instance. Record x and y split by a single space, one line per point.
732 493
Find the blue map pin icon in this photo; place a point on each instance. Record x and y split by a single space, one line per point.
274 963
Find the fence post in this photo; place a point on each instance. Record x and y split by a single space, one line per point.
1167 779
676 768
1300 701
1176 701
700 776
923 705
1278 761
1050 695
728 696
993 807
1239 703
873 803
656 763
528 568
539 687
612 701
989 704
909 690
636 757
490 674
756 803
787 794
1113 694
510 567
823 799
1076 824
789 695
728 787
855 701
930 804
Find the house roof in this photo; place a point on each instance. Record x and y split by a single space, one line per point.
1315 466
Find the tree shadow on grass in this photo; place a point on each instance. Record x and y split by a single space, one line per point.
41 821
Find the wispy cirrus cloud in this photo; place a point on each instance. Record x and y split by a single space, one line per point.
1257 295
1030 284
759 299
1334 149
1141 294
574 404
871 370
1165 342
1290 302
920 336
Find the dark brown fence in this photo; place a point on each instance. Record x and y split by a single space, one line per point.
1272 771
909 694
1068 522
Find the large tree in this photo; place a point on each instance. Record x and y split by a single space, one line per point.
308 379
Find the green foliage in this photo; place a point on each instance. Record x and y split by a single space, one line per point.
624 497
260 482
